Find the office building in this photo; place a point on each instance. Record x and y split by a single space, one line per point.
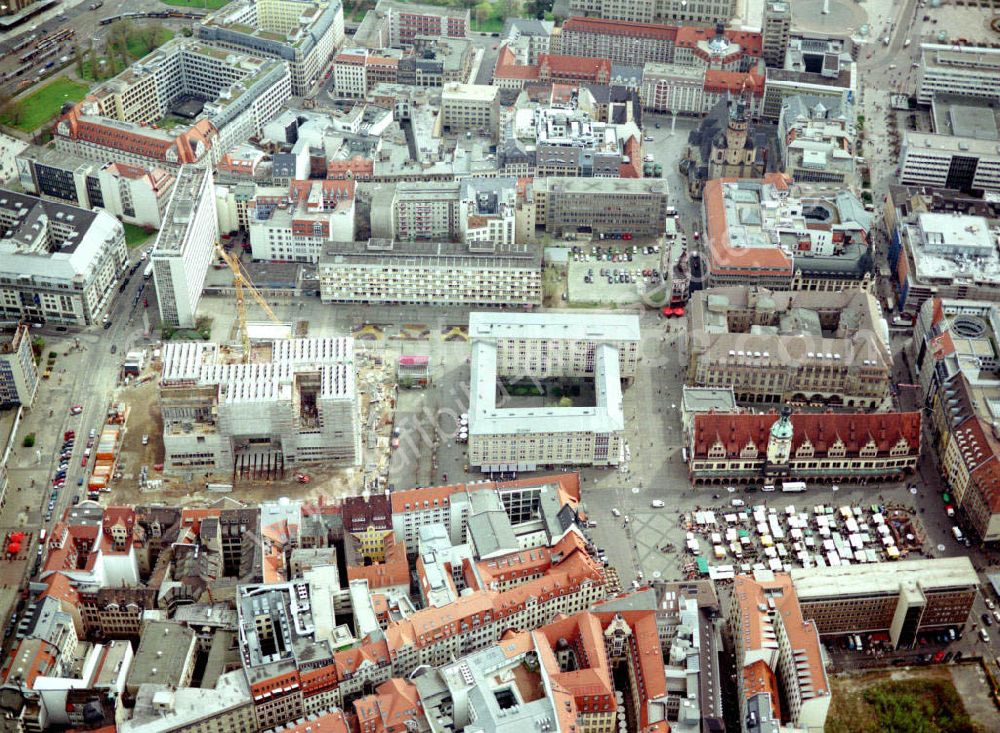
954 354
185 247
527 38
601 206
434 61
166 656
816 448
429 273
58 263
473 210
776 31
225 707
903 599
656 11
18 375
778 653
120 120
471 108
817 141
357 70
757 233
291 403
968 71
696 89
294 224
949 161
623 42
135 195
602 349
944 255
816 348
305 34
564 140
396 24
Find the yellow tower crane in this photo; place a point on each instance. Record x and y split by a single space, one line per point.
241 281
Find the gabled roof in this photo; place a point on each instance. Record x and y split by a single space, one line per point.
822 430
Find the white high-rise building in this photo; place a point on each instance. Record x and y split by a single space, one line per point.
970 71
185 247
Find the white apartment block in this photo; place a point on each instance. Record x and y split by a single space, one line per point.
294 403
185 247
970 71
548 345
58 263
601 347
18 375
305 34
293 224
947 161
656 11
349 74
430 273
471 107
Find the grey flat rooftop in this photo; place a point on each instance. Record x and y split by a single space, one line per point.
577 326
883 578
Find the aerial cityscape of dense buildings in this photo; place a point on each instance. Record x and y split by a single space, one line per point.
606 366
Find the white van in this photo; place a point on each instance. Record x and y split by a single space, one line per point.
768 487
737 502
657 504
957 532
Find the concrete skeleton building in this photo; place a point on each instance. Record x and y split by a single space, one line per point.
600 206
757 232
956 358
816 348
601 348
776 31
305 34
18 375
228 97
58 263
185 247
901 599
293 403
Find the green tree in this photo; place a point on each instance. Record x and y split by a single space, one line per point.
29 440
79 60
483 12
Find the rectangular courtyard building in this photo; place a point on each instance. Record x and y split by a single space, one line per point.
294 403
304 34
600 348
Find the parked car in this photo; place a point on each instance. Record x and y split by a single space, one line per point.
76 409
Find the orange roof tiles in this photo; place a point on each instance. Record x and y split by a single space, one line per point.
394 571
759 678
823 430
331 722
750 42
734 82
723 257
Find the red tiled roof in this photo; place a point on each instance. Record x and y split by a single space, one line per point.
735 82
745 260
750 42
736 431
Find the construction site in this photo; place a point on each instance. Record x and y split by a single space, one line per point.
266 409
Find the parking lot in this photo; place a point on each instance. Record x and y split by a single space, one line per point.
614 273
